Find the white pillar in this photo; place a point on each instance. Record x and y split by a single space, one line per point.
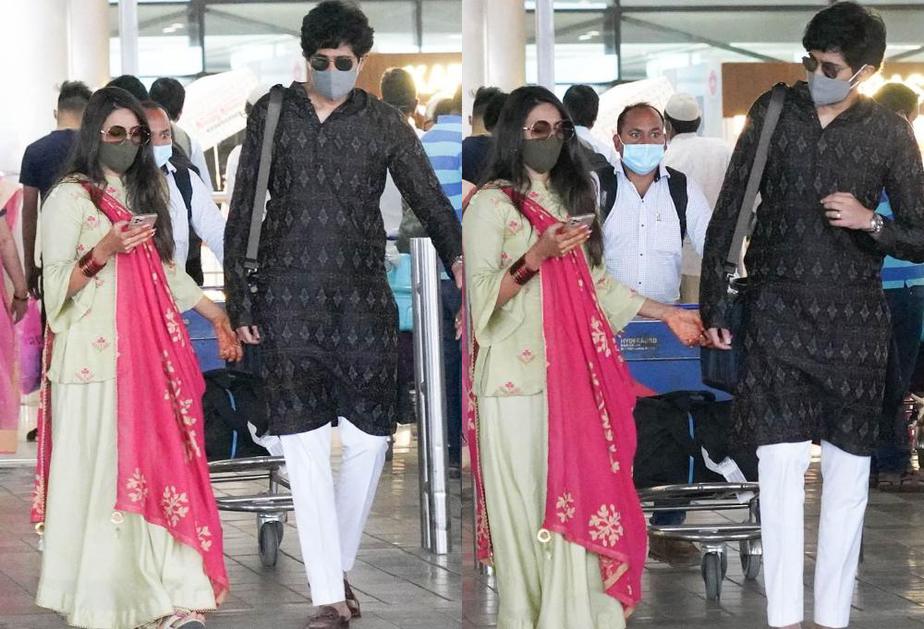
473 51
88 42
505 50
33 46
128 35
545 42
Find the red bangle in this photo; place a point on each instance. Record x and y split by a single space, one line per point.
88 266
520 272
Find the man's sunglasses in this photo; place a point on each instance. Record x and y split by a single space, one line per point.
117 134
321 63
830 70
542 129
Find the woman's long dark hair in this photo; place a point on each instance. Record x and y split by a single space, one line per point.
570 177
146 190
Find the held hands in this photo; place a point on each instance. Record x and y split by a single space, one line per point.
17 309
229 348
122 239
555 242
843 210
686 326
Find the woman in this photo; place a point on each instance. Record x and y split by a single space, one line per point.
12 311
818 331
550 400
131 532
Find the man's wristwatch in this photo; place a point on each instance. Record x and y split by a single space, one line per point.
875 224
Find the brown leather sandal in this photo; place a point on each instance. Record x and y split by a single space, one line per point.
351 600
327 618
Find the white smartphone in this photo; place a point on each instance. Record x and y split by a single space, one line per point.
143 220
587 220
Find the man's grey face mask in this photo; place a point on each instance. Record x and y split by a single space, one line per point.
334 84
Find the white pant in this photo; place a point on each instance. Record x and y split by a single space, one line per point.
330 521
843 503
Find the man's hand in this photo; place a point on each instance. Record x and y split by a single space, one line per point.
720 338
33 277
249 334
843 210
458 272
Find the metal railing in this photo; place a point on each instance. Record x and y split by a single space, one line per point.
431 398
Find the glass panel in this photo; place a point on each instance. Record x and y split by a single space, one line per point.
442 25
168 41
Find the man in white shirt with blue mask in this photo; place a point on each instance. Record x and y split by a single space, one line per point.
648 209
196 218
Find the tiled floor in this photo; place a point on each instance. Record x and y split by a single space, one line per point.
889 595
398 584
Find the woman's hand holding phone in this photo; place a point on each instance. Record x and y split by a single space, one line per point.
122 238
555 242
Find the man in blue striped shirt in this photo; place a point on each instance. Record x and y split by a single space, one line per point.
443 145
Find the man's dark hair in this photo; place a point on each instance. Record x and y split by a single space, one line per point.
73 97
582 103
171 95
850 29
898 98
131 84
334 23
493 111
399 90
483 97
683 126
621 120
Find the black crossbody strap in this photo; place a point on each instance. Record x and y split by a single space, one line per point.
747 213
263 173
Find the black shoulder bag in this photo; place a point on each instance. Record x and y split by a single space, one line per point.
721 368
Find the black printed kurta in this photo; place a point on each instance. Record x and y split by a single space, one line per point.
323 305
818 335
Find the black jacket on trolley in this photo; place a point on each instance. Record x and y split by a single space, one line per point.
818 334
323 305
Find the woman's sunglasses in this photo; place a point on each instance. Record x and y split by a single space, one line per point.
830 70
321 63
117 134
542 129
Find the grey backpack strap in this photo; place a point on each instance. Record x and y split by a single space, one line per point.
263 173
747 213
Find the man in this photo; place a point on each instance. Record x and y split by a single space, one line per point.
645 220
443 145
817 328
651 209
476 148
171 95
583 104
903 284
704 160
194 215
399 91
41 165
323 311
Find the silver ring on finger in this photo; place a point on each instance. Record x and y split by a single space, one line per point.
837 216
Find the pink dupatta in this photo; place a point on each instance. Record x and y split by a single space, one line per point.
590 496
163 475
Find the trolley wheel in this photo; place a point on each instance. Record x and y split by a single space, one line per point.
713 568
750 562
270 535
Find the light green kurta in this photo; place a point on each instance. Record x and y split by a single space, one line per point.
511 349
551 585
100 569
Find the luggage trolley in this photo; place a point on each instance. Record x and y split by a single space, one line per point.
659 361
713 537
271 506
